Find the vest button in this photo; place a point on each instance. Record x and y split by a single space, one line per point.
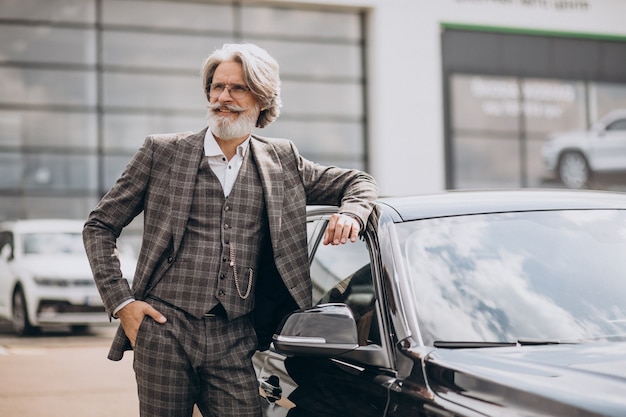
170 259
225 259
221 293
225 226
222 276
226 208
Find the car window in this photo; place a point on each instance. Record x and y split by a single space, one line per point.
314 232
342 274
505 277
617 125
6 245
53 243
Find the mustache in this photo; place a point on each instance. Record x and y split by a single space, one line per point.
229 107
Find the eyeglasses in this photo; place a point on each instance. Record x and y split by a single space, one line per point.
236 91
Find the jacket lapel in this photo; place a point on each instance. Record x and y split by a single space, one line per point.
186 161
270 170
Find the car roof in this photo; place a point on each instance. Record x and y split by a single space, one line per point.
614 114
43 225
455 203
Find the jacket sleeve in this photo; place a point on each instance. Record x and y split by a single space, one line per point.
119 206
352 190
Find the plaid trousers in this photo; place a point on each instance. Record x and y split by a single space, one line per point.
188 361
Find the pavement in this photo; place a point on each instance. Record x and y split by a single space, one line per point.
64 376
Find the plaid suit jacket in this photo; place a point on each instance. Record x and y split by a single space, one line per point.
159 181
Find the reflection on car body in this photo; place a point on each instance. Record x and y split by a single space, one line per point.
576 157
45 278
499 303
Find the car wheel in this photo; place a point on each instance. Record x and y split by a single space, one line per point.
574 170
19 319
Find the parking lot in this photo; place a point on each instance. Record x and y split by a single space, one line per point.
59 374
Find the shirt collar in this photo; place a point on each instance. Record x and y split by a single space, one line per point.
211 147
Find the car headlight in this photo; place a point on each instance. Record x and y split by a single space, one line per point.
62 282
51 282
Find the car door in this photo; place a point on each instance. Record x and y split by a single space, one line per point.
608 151
310 386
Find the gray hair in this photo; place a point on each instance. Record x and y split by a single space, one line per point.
260 72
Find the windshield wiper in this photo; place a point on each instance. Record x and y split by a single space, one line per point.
465 345
521 342
543 342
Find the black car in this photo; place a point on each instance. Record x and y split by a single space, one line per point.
495 303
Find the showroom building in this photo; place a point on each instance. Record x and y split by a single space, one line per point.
425 95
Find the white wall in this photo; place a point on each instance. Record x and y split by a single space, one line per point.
405 106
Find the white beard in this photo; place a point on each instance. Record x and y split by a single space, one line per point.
225 128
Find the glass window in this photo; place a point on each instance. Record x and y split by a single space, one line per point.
113 167
617 125
481 103
6 246
535 167
605 97
169 15
552 275
334 60
127 131
62 129
500 123
333 264
300 23
345 162
71 11
56 206
553 105
66 128
147 91
11 178
312 98
11 126
56 243
320 137
53 172
47 87
11 206
47 44
342 274
492 162
311 226
155 50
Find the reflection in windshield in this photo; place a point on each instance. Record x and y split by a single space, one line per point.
53 243
553 275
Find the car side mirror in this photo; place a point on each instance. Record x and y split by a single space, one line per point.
326 330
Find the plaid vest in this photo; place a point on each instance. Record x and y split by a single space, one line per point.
224 241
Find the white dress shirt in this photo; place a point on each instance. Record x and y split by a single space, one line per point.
225 170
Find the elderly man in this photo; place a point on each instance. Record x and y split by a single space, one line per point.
224 246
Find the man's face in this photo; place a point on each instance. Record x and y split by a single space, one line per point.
230 117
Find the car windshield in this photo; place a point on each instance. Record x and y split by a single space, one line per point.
549 275
53 243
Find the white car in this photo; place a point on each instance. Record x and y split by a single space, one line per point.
45 278
575 157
